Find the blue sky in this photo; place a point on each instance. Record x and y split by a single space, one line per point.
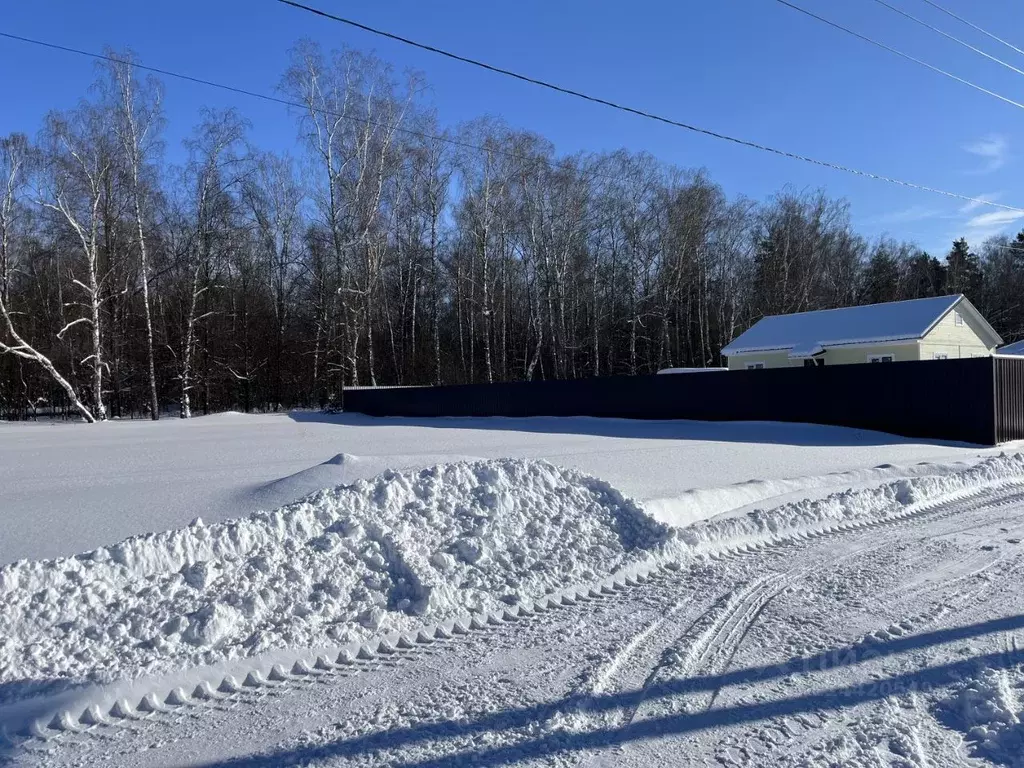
751 68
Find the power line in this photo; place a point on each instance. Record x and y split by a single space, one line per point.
895 51
466 145
640 112
962 20
945 34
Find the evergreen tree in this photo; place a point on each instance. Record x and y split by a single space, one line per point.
881 281
963 270
926 276
1002 297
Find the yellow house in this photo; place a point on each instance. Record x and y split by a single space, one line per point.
939 328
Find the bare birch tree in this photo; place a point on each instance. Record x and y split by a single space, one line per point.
13 159
80 159
214 170
137 125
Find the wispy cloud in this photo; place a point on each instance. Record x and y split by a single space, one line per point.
994 219
978 222
981 227
992 149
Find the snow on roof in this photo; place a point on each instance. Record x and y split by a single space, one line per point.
1017 348
806 349
807 332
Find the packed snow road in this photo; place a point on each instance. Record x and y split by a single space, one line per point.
858 640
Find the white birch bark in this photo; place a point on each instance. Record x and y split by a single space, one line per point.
135 128
12 153
80 165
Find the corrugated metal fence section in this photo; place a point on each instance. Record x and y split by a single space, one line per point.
1009 381
937 399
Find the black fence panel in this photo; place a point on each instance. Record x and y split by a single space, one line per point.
938 399
1009 374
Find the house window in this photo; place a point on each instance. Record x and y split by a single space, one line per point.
755 366
879 358
941 356
958 318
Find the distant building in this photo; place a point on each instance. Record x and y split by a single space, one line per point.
940 328
1017 348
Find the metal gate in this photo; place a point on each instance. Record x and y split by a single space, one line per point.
1009 386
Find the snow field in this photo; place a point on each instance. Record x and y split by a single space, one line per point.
465 547
129 478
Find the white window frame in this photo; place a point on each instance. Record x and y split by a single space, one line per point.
958 319
940 356
755 365
890 358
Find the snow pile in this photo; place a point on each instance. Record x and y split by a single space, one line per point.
886 501
700 504
988 709
379 555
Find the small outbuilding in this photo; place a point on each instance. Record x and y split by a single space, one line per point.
939 328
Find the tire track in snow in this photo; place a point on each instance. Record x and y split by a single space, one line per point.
706 647
953 599
719 632
940 509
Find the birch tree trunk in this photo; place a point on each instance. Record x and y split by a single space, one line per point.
24 350
136 126
189 346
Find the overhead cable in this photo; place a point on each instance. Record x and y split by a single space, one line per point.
895 51
643 113
945 34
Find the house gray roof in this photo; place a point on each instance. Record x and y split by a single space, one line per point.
1017 348
809 333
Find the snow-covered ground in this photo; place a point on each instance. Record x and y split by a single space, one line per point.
556 592
98 485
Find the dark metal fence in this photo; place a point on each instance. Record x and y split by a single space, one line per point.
979 400
1009 394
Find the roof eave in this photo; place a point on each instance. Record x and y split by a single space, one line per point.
827 345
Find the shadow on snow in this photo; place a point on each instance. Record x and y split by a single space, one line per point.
770 432
675 724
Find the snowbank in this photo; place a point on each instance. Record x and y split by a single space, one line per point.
891 500
700 504
376 556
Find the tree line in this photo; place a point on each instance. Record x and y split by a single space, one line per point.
394 250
